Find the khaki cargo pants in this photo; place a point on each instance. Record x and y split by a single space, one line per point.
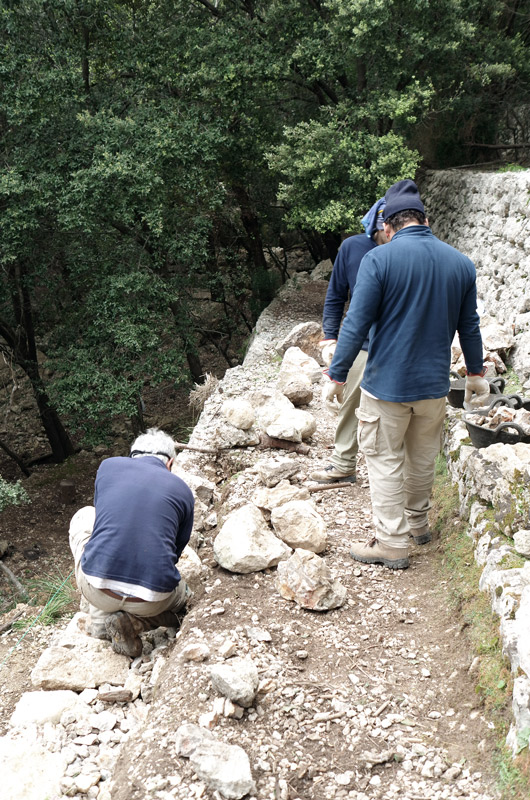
152 613
400 442
345 449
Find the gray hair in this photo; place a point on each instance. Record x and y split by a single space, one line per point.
154 443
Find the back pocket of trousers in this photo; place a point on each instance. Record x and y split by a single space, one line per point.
367 431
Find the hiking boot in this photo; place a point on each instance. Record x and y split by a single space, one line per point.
421 535
123 630
98 630
375 552
331 474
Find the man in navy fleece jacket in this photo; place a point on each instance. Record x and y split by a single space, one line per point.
126 548
412 295
341 285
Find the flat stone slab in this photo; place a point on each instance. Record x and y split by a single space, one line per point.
76 661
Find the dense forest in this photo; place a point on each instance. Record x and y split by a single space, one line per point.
150 150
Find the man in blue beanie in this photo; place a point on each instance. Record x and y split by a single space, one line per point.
412 296
341 468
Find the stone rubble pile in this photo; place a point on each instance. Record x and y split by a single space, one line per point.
486 216
86 702
502 414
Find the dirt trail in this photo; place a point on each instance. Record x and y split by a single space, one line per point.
383 679
371 700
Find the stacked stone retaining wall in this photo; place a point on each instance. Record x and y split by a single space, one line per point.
487 216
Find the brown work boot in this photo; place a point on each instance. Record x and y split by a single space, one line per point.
98 630
375 552
421 535
123 630
331 474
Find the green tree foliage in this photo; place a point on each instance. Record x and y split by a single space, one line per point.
149 150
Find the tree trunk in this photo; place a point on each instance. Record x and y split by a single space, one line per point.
332 242
252 228
59 440
18 461
194 363
22 345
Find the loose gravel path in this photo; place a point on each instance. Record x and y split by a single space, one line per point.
371 700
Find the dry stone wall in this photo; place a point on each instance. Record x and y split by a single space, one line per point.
487 216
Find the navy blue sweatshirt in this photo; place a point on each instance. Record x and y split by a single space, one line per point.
416 292
342 282
144 518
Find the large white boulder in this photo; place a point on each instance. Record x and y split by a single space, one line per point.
245 543
308 581
298 524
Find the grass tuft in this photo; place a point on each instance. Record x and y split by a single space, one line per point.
57 596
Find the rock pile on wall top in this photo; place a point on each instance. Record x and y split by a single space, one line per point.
487 216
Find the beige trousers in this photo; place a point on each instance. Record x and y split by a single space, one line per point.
400 442
152 613
345 449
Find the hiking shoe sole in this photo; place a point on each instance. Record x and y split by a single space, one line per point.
324 476
423 538
391 563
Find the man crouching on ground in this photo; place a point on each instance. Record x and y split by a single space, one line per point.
126 547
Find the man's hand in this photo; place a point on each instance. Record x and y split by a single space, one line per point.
328 349
332 393
477 392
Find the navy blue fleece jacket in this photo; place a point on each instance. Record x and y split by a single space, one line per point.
416 292
342 282
144 517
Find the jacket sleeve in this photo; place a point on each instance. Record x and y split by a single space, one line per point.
336 298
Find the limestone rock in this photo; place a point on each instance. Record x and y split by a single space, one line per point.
239 413
195 651
322 271
219 433
191 568
521 711
307 580
296 361
236 679
246 544
495 336
304 336
298 524
522 619
189 737
39 707
225 768
29 771
76 661
199 485
282 493
297 388
269 404
274 470
295 426
522 542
